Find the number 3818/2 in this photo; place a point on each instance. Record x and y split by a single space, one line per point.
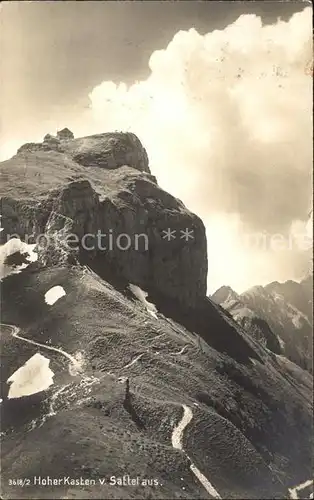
19 482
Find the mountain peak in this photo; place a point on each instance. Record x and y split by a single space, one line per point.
223 294
254 291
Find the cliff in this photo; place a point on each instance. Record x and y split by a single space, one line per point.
77 186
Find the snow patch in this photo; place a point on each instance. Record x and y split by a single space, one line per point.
33 377
141 295
54 294
15 245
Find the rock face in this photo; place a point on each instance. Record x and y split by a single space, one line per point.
281 313
124 211
110 151
170 391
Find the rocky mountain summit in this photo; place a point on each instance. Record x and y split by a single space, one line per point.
102 183
278 314
119 377
108 150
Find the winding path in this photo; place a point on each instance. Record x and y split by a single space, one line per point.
293 492
179 352
133 361
176 440
74 363
15 333
177 433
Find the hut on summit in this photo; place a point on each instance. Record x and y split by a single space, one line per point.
65 134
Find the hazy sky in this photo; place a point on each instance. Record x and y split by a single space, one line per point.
224 109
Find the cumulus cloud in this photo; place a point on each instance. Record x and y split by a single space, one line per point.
226 118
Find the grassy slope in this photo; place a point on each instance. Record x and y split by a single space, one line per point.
249 419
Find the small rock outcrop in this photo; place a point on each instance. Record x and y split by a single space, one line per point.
29 147
51 143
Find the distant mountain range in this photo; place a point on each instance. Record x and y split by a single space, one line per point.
278 314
